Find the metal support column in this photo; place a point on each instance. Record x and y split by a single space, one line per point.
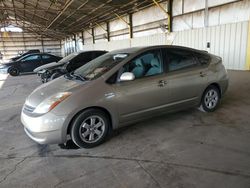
167 12
108 31
93 35
42 42
128 24
131 26
170 15
82 37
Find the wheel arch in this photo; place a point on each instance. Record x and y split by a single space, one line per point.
92 107
13 67
217 86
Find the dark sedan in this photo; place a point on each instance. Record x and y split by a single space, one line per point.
28 63
67 64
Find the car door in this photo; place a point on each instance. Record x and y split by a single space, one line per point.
186 77
29 63
146 95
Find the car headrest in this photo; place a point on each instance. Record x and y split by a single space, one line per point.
155 63
138 63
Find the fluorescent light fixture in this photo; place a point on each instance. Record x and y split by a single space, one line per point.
11 28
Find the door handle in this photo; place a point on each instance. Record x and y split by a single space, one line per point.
202 74
162 83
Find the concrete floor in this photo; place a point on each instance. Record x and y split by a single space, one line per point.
185 149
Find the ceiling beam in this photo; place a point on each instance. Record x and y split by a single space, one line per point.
28 9
37 1
110 14
82 5
68 3
94 10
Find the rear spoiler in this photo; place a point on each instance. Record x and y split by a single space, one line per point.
204 51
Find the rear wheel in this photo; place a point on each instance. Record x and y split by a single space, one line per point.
14 71
90 128
210 99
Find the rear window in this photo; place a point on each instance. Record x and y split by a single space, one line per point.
46 56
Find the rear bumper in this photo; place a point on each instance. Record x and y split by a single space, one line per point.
224 85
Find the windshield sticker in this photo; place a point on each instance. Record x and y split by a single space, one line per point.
120 56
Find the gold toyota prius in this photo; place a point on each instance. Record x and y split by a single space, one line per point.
120 88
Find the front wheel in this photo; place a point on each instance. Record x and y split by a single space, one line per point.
14 71
210 99
90 128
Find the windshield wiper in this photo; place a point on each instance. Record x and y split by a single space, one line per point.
77 76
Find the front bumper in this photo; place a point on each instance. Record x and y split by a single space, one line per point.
4 70
45 129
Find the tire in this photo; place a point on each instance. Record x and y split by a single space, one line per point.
85 127
210 99
13 71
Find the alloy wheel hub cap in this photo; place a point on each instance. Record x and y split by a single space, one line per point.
211 99
92 129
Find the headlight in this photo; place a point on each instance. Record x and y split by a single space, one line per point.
51 102
2 66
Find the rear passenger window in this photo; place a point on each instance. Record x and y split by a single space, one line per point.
46 57
180 59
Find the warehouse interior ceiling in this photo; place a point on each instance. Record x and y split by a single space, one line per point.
60 18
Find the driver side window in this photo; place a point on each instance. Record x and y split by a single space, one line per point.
147 64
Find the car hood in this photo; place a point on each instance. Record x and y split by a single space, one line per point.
49 66
51 88
15 58
8 63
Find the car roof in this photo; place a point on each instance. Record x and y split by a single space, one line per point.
83 51
41 53
143 48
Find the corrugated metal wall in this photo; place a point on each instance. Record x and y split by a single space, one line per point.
227 41
150 40
13 43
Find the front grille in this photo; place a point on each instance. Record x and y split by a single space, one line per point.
28 109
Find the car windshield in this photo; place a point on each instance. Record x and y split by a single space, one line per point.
100 65
23 57
68 58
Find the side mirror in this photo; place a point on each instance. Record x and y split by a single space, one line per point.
127 76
